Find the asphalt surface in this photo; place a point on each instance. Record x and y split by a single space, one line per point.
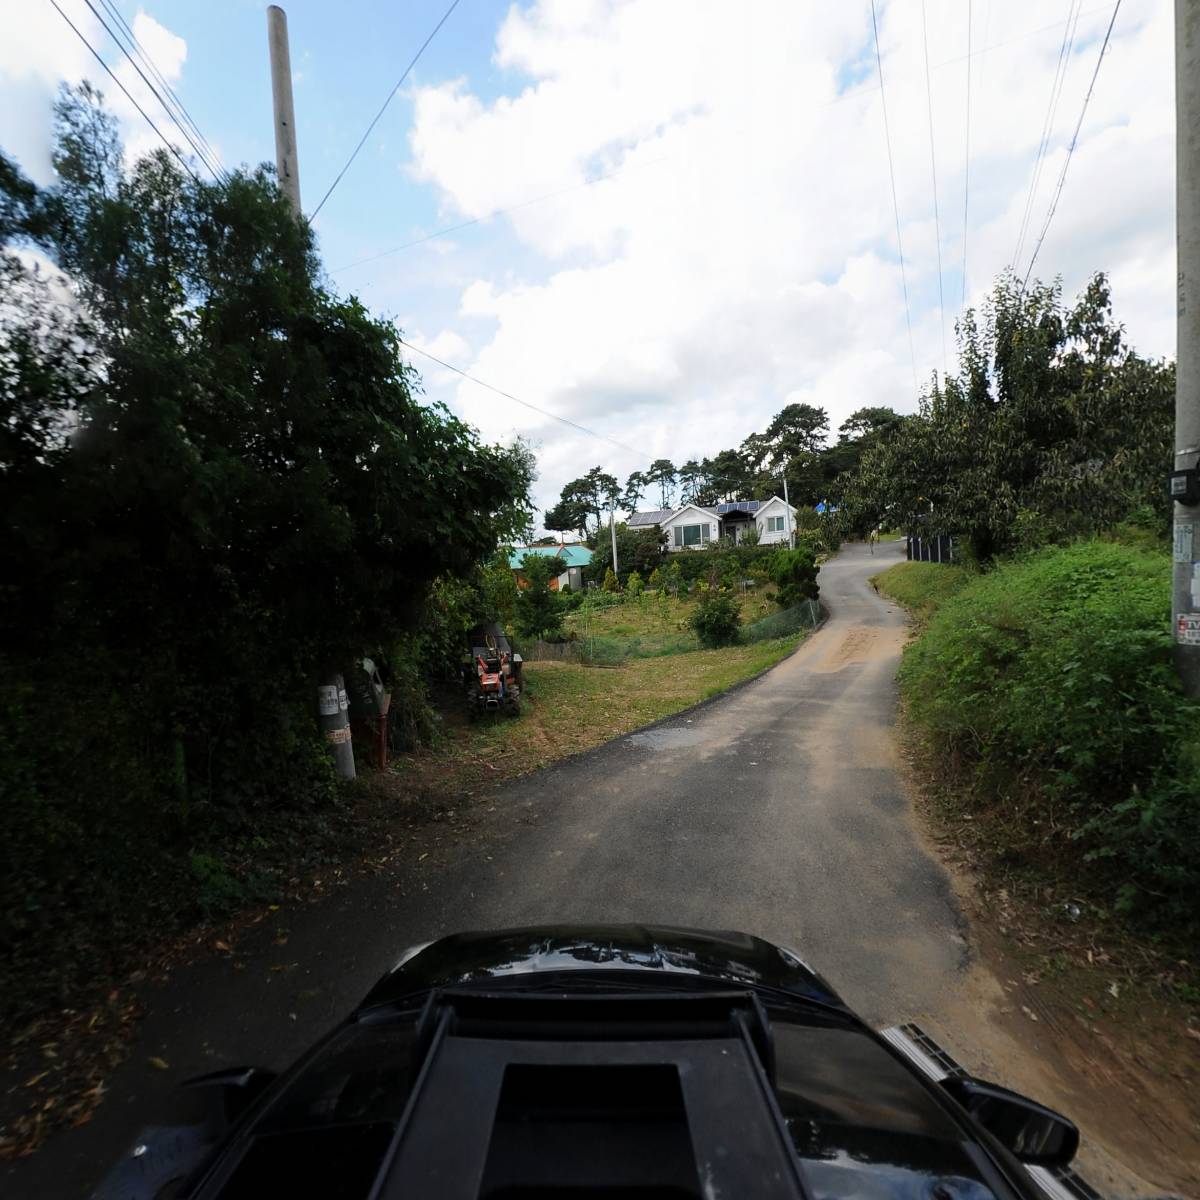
775 809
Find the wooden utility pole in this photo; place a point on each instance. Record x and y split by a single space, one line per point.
1185 484
333 705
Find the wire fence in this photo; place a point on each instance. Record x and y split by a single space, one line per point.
805 615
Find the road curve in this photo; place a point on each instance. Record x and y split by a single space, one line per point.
775 809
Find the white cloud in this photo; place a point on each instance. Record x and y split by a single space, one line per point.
39 50
750 258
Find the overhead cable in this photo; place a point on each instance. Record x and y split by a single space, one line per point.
517 399
962 301
937 222
382 109
187 136
1056 87
1071 148
96 55
895 203
170 98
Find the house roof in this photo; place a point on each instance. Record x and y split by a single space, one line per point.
573 554
655 516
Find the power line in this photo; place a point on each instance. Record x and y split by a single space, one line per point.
1060 76
962 300
895 204
374 120
499 212
95 54
1071 148
209 156
517 400
187 137
937 223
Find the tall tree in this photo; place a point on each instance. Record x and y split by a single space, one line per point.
690 476
1053 427
662 473
635 489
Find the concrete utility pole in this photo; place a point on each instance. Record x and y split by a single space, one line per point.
286 163
612 528
333 705
787 508
1185 488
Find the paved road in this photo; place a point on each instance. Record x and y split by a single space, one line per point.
775 809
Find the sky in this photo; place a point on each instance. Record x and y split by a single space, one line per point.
681 211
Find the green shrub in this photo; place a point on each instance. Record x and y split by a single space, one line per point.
794 573
1056 670
635 585
716 618
656 580
610 583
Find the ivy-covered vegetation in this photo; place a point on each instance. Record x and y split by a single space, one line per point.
217 481
1047 684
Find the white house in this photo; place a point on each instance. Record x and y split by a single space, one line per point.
694 526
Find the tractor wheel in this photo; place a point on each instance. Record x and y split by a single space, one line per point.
514 706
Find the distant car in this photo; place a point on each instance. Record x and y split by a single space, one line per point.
614 1062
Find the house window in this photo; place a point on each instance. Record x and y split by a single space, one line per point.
775 524
691 535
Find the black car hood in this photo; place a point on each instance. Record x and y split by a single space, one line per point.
661 951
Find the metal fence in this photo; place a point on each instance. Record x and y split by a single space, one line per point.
805 615
931 549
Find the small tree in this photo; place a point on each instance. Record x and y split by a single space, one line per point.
716 619
674 578
656 581
794 572
610 581
636 584
539 610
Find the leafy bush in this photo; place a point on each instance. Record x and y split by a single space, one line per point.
657 580
716 619
610 583
794 573
1055 670
635 584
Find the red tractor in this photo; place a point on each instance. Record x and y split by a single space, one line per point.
493 673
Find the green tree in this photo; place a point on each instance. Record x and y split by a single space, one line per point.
217 479
635 489
610 584
794 573
662 474
1052 428
539 610
716 619
635 584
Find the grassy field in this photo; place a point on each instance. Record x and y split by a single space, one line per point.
569 708
651 625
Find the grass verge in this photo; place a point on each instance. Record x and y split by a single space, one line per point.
921 587
570 708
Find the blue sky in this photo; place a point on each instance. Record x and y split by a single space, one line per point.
739 252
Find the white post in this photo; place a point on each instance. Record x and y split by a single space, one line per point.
287 164
612 528
787 508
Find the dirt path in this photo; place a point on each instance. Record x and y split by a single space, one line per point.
779 809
